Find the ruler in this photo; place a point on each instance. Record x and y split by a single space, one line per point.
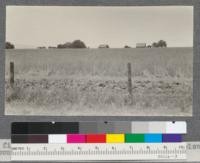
192 152
5 150
97 151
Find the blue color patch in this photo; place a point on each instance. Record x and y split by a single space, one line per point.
153 138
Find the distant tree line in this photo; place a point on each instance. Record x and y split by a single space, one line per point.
9 45
81 44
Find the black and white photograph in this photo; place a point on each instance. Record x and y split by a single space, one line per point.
99 60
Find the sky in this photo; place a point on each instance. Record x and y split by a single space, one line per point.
34 26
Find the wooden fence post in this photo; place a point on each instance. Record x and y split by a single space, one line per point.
130 82
12 74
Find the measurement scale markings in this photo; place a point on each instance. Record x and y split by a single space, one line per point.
109 152
136 151
99 151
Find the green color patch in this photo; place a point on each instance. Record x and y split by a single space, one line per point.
134 138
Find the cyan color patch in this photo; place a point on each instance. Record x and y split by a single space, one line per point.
153 138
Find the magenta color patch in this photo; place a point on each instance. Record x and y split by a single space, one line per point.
76 138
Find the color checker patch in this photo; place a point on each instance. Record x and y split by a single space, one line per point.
96 138
115 138
76 138
134 138
153 138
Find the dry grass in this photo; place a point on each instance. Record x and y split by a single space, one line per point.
93 82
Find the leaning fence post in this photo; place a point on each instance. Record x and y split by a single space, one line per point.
130 82
11 74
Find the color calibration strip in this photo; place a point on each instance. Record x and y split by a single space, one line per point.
97 138
97 132
114 127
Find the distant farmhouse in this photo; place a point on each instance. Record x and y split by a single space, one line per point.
141 45
103 46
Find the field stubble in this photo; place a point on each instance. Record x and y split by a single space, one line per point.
94 82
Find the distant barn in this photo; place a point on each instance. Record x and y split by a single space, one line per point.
103 46
141 45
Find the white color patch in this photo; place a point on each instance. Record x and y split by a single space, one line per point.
178 127
60 138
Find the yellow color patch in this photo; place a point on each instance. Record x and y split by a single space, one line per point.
115 138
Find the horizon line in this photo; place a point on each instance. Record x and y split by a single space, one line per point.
102 48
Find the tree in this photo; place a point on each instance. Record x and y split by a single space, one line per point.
9 45
160 43
154 44
61 46
74 44
78 44
126 46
